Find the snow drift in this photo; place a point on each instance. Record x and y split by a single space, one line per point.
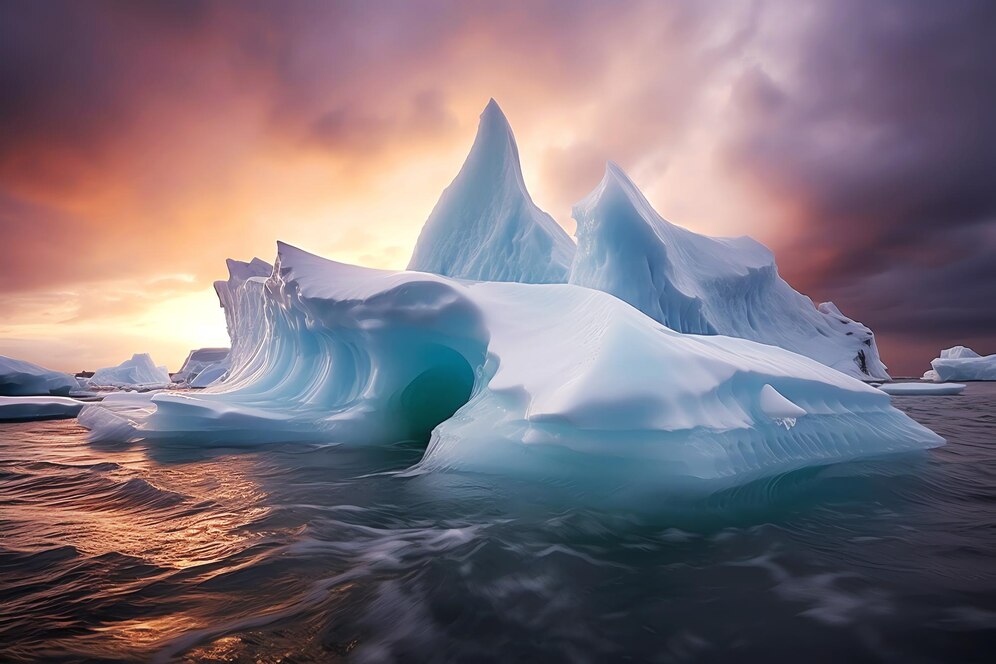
19 378
139 373
512 378
485 226
703 285
962 363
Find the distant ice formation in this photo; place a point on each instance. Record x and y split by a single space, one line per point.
703 285
25 409
922 389
202 367
554 380
485 226
138 373
19 378
962 363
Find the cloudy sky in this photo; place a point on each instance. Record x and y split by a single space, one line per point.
142 144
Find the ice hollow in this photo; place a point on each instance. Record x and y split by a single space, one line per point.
511 378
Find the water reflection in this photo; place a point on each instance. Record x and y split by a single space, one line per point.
318 553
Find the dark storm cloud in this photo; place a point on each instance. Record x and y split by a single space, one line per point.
881 131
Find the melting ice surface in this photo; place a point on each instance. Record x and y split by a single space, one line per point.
704 285
510 378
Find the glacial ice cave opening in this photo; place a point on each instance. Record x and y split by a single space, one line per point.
435 394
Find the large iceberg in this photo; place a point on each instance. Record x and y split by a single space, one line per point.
485 226
512 378
962 363
139 373
19 378
704 285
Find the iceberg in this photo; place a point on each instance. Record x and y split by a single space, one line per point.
19 379
962 363
520 379
202 367
703 285
922 389
139 373
26 409
485 226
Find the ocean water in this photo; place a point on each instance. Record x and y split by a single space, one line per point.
302 553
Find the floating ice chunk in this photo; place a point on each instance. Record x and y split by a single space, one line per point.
20 379
139 373
24 409
555 380
961 363
703 285
485 225
934 389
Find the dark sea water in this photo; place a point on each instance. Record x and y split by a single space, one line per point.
298 554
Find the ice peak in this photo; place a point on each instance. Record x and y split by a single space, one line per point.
485 225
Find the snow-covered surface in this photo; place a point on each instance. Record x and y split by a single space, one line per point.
485 226
140 373
513 378
20 378
23 409
962 363
933 389
703 285
202 367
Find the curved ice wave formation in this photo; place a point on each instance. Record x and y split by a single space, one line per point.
703 285
550 379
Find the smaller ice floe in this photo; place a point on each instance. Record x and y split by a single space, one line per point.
962 363
21 379
782 411
922 389
26 409
138 373
202 367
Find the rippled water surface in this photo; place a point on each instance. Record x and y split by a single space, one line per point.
300 553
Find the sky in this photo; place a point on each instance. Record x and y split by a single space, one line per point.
142 144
